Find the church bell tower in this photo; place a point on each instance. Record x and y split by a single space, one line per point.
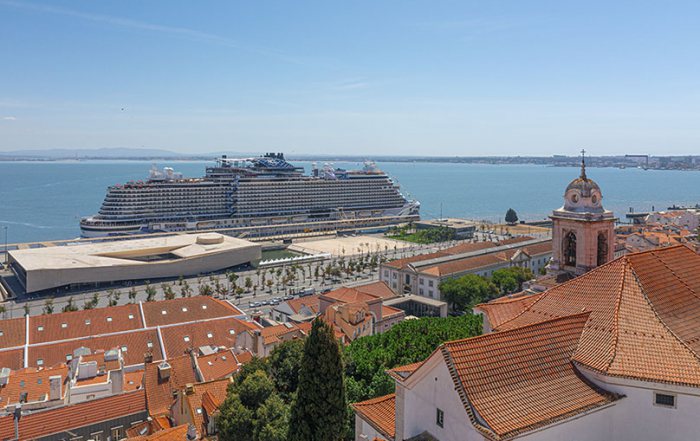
583 232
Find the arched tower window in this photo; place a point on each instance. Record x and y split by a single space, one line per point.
602 249
570 249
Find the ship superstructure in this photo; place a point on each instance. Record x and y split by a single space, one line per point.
249 192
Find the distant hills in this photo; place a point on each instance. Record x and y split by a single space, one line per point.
111 153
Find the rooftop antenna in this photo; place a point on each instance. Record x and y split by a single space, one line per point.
583 164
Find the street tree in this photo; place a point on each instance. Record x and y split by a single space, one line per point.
466 291
511 217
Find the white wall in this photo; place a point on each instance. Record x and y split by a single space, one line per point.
436 390
637 418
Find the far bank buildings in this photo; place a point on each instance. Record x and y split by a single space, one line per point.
612 354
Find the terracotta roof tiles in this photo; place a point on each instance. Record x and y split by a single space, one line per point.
220 332
68 325
59 420
645 315
522 379
380 413
167 312
159 391
218 365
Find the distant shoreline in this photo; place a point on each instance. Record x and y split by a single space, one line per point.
654 162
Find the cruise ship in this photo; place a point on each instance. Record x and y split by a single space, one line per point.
251 195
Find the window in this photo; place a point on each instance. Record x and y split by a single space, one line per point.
204 306
164 312
97 436
186 338
40 362
569 245
430 283
39 381
21 383
149 344
421 280
664 400
393 275
231 331
69 357
408 279
39 328
124 348
64 325
117 432
87 322
1 333
209 335
109 319
386 273
430 293
440 418
131 316
184 309
199 411
420 291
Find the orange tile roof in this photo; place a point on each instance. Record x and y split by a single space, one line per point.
402 263
68 325
388 311
61 419
244 357
218 365
216 391
645 315
174 433
522 379
311 302
485 260
32 381
380 413
377 289
220 332
159 393
401 372
12 332
470 247
13 359
349 295
136 343
186 309
275 334
133 380
503 309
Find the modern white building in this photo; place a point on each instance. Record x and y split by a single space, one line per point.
39 269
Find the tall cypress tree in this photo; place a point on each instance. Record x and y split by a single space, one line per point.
319 409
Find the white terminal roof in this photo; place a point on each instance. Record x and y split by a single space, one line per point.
128 252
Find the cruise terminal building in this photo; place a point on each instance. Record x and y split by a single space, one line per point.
153 258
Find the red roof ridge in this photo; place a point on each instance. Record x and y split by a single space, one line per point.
656 314
616 319
564 284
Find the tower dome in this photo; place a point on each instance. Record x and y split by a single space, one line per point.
583 195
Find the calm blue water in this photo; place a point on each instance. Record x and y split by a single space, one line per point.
43 201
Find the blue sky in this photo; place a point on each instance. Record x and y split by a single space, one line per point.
360 77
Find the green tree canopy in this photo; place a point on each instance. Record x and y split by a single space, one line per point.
253 411
466 291
511 279
511 216
319 411
283 364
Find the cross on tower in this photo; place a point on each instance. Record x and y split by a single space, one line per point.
583 164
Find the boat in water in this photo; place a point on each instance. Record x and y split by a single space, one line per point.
251 195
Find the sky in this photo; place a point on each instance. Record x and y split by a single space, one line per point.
369 77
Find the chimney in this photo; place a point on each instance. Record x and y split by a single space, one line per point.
18 415
148 357
191 433
163 371
189 389
55 386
